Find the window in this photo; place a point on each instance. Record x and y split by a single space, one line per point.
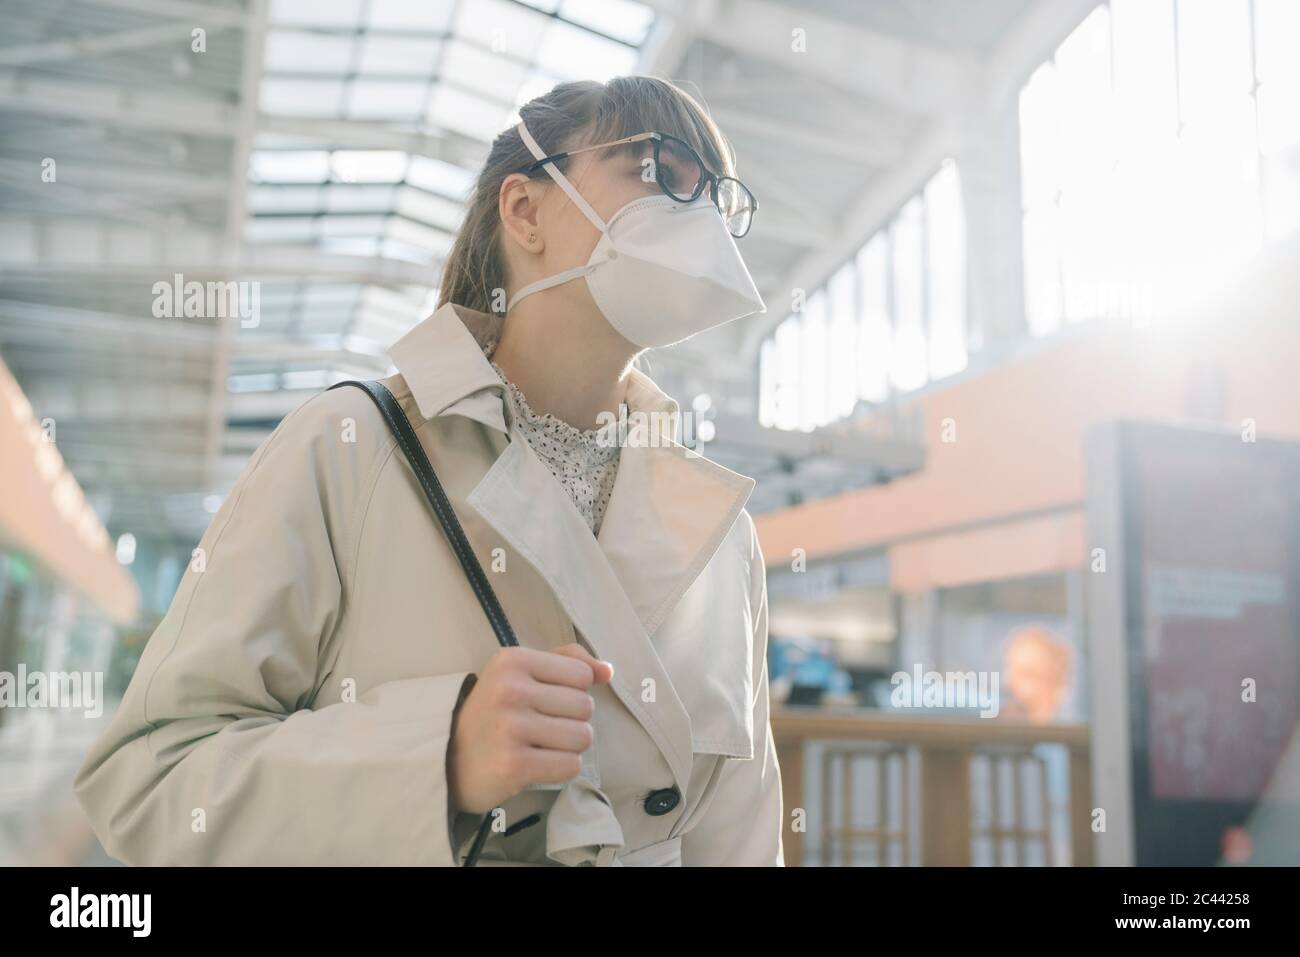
1277 96
889 320
875 338
842 341
1154 155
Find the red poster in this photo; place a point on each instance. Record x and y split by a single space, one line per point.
1220 606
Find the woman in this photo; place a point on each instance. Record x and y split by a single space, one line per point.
325 688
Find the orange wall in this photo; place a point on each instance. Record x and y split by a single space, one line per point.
1034 546
68 541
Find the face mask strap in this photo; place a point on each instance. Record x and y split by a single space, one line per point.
550 281
561 179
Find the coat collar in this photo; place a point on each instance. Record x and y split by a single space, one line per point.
669 511
443 364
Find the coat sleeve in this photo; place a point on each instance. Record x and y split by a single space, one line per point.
742 826
216 755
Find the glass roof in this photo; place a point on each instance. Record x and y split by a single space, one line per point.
446 70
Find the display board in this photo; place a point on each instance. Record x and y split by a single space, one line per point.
1194 630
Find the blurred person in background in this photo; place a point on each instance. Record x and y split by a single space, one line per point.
1036 674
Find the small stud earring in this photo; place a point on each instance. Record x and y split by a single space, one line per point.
532 237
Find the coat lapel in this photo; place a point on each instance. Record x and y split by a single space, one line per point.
517 489
669 511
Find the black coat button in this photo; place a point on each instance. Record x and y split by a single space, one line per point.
661 801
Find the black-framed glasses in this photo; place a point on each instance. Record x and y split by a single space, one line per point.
681 174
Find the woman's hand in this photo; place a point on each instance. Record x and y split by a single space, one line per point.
526 720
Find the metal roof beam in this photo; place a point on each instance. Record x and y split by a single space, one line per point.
170 182
254 54
75 48
117 106
33 246
1033 40
448 146
26 321
851 150
206 14
909 78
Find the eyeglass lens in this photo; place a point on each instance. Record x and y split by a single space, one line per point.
682 175
736 204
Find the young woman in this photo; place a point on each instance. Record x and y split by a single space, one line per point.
325 688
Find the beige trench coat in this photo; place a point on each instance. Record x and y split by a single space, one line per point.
295 703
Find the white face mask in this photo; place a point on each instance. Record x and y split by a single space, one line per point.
661 270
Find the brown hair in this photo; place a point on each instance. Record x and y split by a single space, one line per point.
581 113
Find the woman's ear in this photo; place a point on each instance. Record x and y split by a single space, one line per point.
519 208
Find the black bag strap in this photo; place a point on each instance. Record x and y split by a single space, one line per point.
400 426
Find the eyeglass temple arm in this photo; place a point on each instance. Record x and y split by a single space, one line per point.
555 157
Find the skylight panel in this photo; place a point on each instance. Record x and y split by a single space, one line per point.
426 15
434 210
264 200
504 28
620 19
281 229
301 97
573 53
320 13
415 234
438 176
290 166
351 245
320 295
464 112
331 226
359 199
298 51
391 302
538 83
369 166
494 75
388 55
386 99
